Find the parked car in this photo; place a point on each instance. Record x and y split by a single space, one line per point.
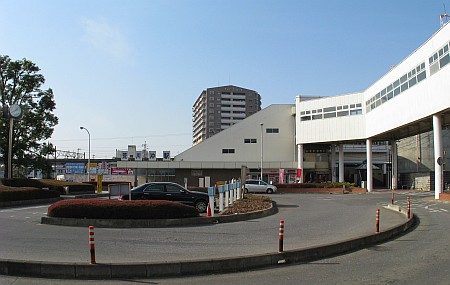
170 192
259 186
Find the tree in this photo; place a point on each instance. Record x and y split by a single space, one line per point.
20 83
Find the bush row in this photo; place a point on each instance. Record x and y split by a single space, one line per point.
318 185
55 185
114 209
19 194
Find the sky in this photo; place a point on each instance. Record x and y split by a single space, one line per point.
130 71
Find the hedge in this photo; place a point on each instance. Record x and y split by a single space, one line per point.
8 194
115 209
50 184
317 185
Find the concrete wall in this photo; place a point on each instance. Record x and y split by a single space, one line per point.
277 146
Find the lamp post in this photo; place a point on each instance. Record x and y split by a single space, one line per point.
262 125
89 153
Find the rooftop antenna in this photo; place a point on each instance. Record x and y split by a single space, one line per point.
443 16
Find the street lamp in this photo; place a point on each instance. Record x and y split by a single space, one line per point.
89 153
262 125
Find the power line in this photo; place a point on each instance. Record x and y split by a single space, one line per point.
123 138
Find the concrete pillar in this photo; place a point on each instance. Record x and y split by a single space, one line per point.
369 165
438 155
333 163
394 160
300 161
341 163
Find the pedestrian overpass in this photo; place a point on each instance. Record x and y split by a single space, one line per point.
412 98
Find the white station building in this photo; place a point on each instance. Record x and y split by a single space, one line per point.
412 98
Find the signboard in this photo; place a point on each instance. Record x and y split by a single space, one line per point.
92 168
152 155
166 155
281 176
121 171
75 168
299 173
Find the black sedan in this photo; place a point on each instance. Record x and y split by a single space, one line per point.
170 192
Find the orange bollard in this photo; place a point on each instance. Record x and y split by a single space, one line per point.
92 244
281 236
409 208
377 221
208 211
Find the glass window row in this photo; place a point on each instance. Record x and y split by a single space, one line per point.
249 140
400 85
332 112
439 59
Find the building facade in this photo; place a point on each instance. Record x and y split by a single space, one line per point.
351 137
218 108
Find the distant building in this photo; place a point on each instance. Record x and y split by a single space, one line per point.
218 108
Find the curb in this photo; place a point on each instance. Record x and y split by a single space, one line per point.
196 267
28 202
159 223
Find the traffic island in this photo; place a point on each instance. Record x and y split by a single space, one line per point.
158 223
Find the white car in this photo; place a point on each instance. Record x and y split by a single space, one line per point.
259 186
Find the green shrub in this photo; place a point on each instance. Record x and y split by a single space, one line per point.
317 185
114 209
55 185
19 194
198 189
23 182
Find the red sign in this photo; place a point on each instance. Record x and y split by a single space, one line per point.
121 171
299 173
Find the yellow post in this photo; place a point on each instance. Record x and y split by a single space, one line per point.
99 183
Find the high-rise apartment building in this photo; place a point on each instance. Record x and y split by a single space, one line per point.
221 107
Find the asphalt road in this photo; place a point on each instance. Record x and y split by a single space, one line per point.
309 220
419 257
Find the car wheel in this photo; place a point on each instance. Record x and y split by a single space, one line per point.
269 191
245 190
201 206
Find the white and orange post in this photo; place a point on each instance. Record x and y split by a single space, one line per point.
227 196
230 187
377 221
211 193
409 208
239 190
221 191
281 236
92 244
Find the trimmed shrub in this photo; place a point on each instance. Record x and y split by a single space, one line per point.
51 184
198 189
114 209
317 185
19 194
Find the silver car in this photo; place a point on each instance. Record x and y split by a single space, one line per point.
259 186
